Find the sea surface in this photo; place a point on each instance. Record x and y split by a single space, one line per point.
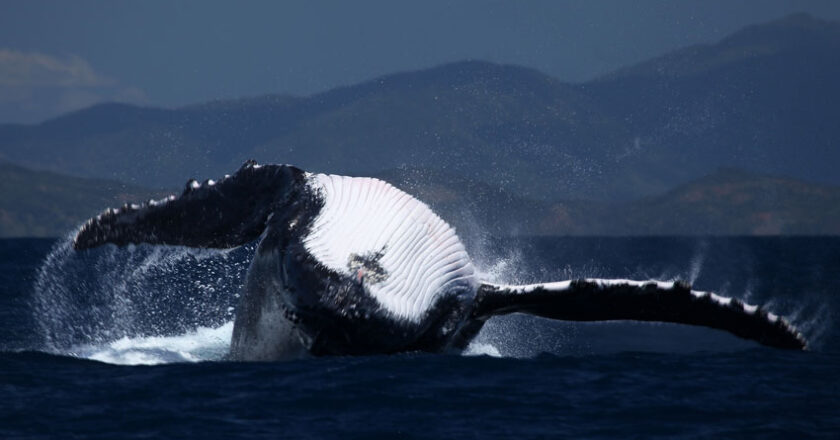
130 343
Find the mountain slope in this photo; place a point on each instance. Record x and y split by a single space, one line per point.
732 202
45 204
726 202
477 119
764 99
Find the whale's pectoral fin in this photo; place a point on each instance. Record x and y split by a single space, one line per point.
608 300
223 214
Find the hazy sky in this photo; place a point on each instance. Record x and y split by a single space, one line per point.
57 56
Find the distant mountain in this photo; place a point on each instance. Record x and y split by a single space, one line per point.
45 204
766 98
763 99
475 119
727 202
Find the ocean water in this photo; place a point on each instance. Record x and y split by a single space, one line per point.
130 343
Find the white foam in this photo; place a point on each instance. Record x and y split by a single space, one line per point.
482 349
203 344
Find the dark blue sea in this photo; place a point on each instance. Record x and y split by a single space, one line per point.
130 343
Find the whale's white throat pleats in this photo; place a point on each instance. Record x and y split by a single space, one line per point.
404 254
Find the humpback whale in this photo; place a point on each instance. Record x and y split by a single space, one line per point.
354 266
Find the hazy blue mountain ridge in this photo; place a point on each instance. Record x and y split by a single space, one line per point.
764 99
45 204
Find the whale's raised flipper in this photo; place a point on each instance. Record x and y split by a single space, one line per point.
214 214
610 300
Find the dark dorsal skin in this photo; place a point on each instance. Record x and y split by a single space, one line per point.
293 305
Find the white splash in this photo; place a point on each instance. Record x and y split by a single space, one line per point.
138 304
203 344
697 262
482 349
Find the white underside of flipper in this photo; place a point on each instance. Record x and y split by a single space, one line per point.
367 219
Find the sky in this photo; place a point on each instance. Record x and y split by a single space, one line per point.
60 56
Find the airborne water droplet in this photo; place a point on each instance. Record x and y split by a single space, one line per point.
85 302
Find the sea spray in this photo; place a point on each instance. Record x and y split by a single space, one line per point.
89 299
517 335
696 265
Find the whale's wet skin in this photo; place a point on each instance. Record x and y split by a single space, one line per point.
348 266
